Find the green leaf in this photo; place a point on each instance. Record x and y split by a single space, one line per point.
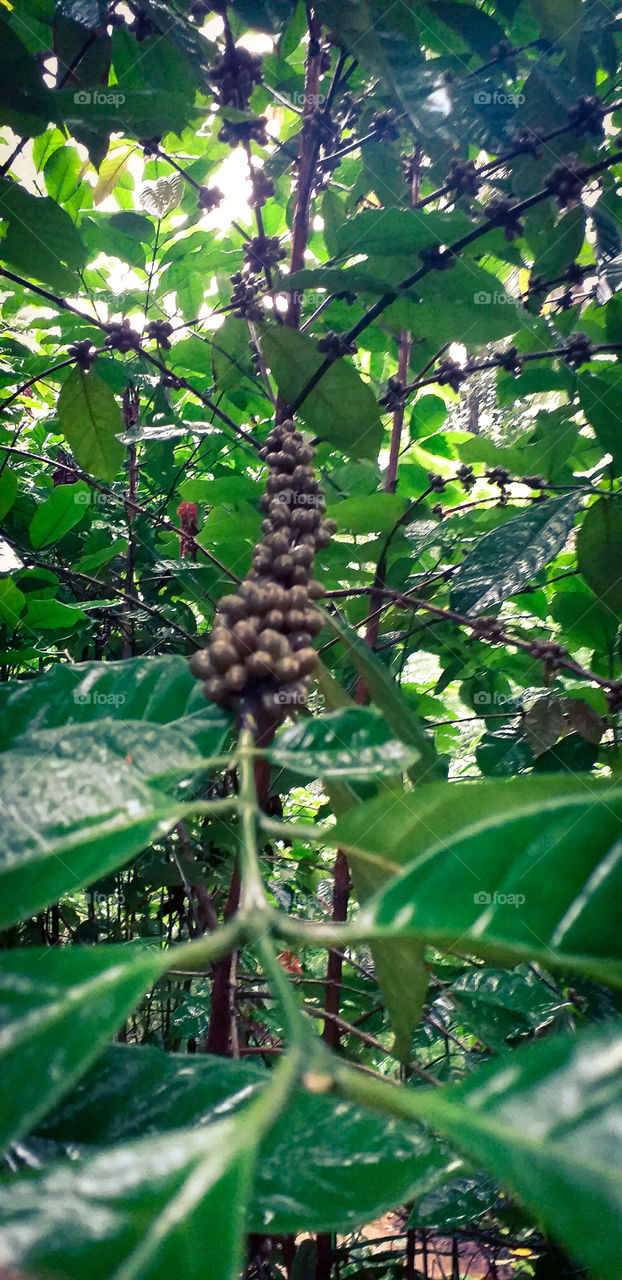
399 231
352 743
601 402
90 419
58 1009
67 826
373 513
51 615
25 102
8 491
479 31
545 1123
12 602
599 553
478 858
356 1164
41 240
154 690
341 408
61 173
65 507
508 557
156 1196
562 246
386 696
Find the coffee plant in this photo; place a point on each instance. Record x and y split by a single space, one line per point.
310 605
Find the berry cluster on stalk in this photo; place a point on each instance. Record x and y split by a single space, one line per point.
259 656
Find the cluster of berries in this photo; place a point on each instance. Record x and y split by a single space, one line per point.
259 651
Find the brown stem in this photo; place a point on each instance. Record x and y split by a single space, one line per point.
221 1026
307 160
341 890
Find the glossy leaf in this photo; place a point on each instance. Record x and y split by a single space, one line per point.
155 690
353 743
545 1123
475 861
57 1011
356 1163
508 557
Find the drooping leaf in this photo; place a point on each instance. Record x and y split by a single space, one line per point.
41 240
599 553
341 408
64 508
90 419
387 697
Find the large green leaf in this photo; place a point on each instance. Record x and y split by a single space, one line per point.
399 231
58 1008
599 552
81 800
508 557
171 1204
41 239
64 508
341 408
476 860
25 101
76 808
158 690
355 1165
353 743
546 1123
90 419
601 401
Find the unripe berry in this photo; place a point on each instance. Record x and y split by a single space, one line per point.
302 556
259 664
273 643
245 635
306 660
215 690
274 620
235 678
282 566
313 621
223 656
200 664
286 669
